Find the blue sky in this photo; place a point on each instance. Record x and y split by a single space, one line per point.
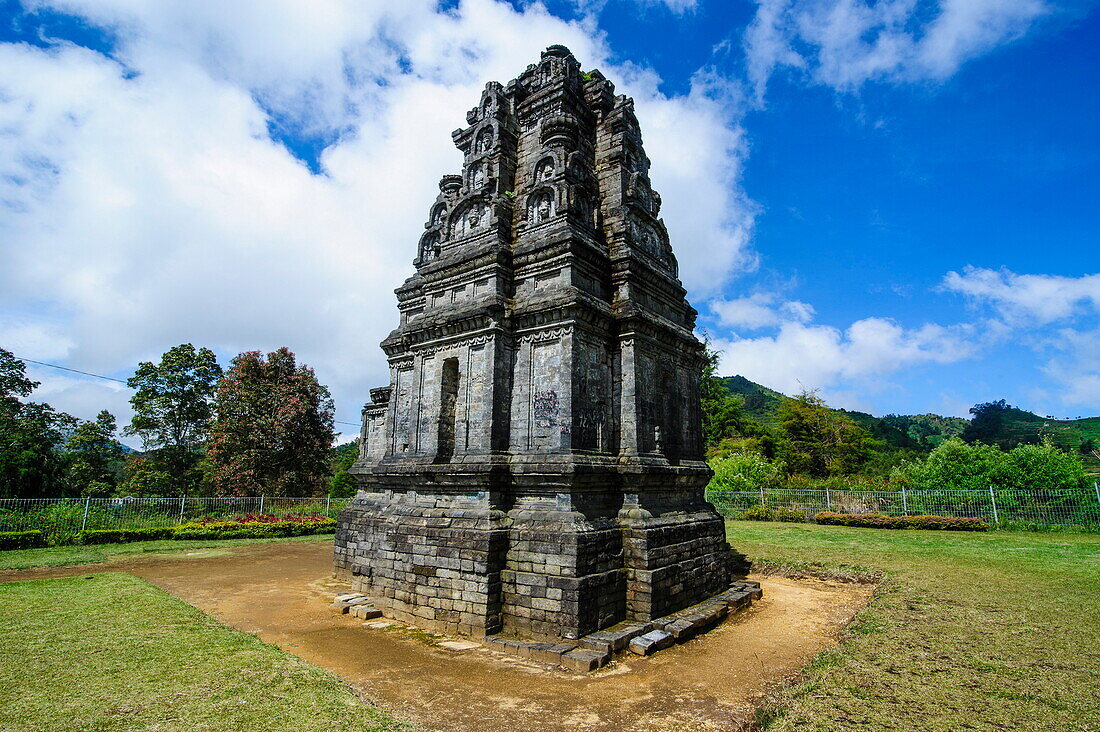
893 202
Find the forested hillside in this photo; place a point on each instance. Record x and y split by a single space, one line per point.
895 437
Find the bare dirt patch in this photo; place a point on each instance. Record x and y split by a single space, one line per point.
713 682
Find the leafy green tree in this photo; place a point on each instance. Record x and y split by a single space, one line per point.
988 423
819 442
145 476
723 413
94 458
342 484
173 408
1043 467
744 471
274 428
955 465
30 435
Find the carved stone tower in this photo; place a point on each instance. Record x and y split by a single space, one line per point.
536 462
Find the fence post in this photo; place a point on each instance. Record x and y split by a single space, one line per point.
904 502
761 495
993 499
183 500
87 504
328 504
828 499
261 505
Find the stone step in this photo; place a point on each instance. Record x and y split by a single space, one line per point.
651 642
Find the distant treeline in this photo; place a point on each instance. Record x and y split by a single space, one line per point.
757 436
262 426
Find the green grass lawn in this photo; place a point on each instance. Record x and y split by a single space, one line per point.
112 652
985 631
56 556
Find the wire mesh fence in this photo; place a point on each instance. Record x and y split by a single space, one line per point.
1069 508
59 517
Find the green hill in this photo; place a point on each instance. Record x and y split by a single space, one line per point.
761 403
996 423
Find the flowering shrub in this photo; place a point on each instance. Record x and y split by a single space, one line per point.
262 518
299 526
880 521
769 513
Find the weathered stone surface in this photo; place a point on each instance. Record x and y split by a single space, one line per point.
651 642
348 596
584 660
366 612
536 463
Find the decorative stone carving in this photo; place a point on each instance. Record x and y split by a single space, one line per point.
544 170
540 206
484 141
535 464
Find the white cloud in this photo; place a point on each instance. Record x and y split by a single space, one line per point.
1076 366
845 43
802 355
1027 298
592 8
760 310
143 203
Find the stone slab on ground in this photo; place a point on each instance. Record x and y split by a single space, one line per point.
343 606
583 660
651 642
348 596
459 645
619 636
681 629
366 612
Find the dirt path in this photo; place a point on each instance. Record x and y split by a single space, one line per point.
280 592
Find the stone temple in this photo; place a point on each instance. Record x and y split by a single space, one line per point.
535 466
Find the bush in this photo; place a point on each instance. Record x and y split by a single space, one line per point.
768 513
22 539
253 529
263 518
880 521
121 536
743 471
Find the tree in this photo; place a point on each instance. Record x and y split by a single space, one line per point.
988 423
343 485
956 465
1044 467
30 434
173 407
723 413
818 441
94 458
744 471
273 429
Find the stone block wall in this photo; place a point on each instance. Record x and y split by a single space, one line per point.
433 561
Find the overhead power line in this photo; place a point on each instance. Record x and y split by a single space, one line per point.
120 381
75 371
